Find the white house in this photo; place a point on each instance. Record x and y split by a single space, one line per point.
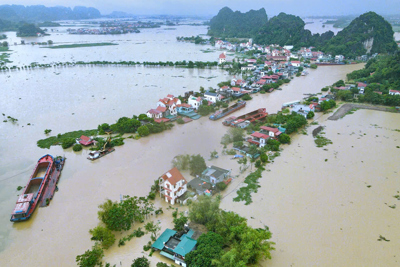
172 185
170 102
222 58
258 139
296 63
339 58
195 102
361 87
273 132
394 92
212 97
154 113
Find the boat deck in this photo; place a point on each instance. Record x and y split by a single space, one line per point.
52 184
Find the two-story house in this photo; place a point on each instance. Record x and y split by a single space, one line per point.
212 97
195 102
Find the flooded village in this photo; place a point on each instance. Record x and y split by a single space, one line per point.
324 205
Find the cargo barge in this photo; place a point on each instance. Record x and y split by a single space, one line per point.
222 113
47 169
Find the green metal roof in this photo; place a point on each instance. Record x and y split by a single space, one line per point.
169 256
185 246
164 237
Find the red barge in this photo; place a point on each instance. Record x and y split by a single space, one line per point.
45 174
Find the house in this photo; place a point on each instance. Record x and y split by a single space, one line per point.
212 97
222 58
361 87
303 109
195 102
85 141
258 139
201 187
394 92
214 175
170 102
154 113
296 63
174 245
172 185
339 58
273 132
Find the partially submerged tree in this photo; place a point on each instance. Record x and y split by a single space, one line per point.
91 258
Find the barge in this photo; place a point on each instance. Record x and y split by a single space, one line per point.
222 113
250 117
37 186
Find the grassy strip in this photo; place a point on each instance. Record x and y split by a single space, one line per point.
57 140
244 193
3 48
79 45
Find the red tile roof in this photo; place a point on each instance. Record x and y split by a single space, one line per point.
84 140
361 85
162 109
173 176
184 105
236 89
222 55
154 111
260 135
269 129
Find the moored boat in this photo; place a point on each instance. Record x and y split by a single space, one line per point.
29 199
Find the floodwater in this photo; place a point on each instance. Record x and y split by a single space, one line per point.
299 200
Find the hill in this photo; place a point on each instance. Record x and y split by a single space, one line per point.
236 24
367 34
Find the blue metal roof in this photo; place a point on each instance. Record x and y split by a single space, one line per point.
186 245
164 237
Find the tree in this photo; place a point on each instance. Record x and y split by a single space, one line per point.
141 262
181 162
179 222
221 186
236 134
226 139
91 258
119 216
310 115
77 147
284 138
153 228
202 89
197 164
190 65
263 157
50 42
209 247
205 211
104 235
68 142
143 130
5 44
102 128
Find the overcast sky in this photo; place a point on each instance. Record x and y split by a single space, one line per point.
211 7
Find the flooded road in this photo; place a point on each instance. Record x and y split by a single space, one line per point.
300 200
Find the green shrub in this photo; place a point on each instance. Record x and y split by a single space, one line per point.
180 121
68 142
325 89
247 97
77 147
47 131
104 235
258 163
143 130
284 138
264 157
262 91
221 186
19 187
152 195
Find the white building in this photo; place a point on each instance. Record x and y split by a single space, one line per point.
222 58
172 185
212 97
195 102
394 92
170 102
154 113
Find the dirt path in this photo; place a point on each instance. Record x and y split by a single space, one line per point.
343 110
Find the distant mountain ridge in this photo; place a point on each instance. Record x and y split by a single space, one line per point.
40 13
236 24
367 34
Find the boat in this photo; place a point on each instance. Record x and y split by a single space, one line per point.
29 199
222 113
93 155
244 120
304 73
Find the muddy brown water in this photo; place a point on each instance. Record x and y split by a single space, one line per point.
300 199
